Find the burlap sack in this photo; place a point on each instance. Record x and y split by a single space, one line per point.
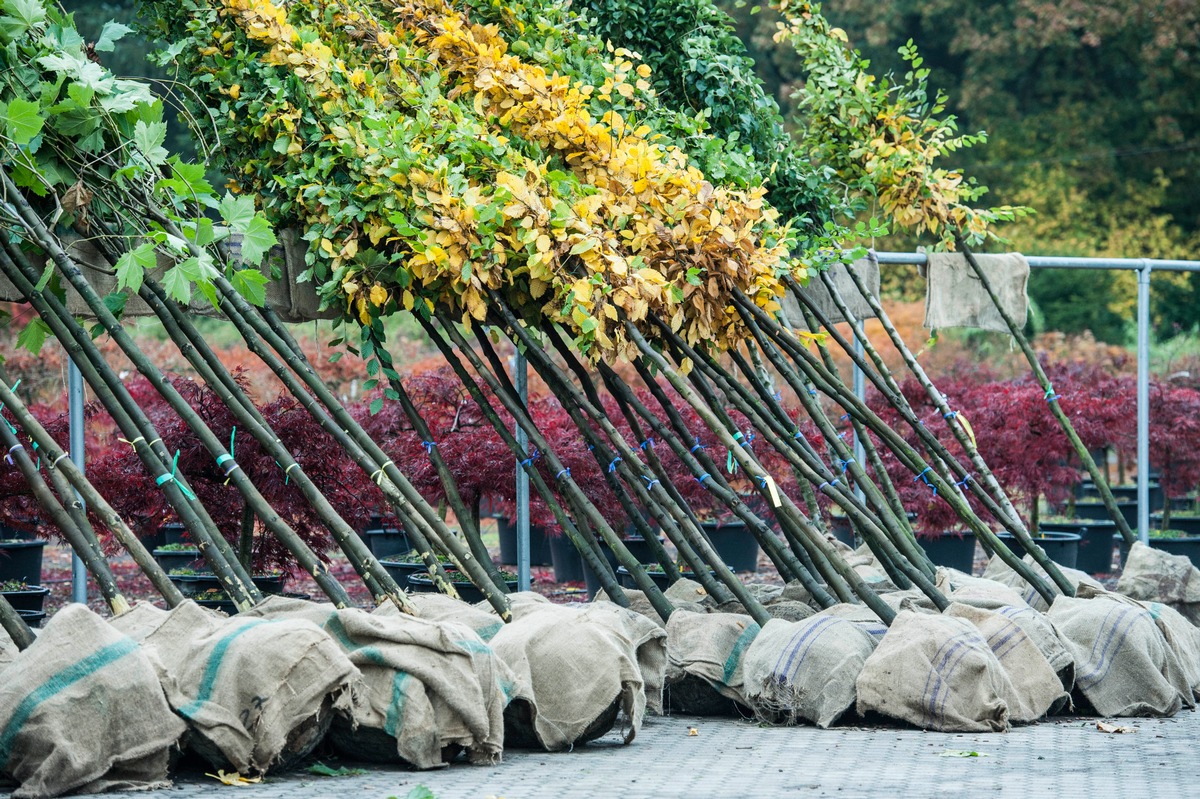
641 605
1042 633
1001 572
936 673
912 599
257 693
8 650
861 615
789 610
866 268
1182 637
81 710
1037 689
955 297
140 620
439 607
579 669
805 671
430 685
976 591
648 640
1123 664
1156 576
710 647
772 599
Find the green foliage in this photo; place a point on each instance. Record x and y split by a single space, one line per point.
92 146
700 65
33 336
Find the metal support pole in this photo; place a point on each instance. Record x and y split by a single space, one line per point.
78 456
860 391
521 383
1143 400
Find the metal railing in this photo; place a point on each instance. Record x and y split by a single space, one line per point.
1144 267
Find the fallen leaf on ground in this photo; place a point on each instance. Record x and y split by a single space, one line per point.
692 731
1113 728
961 753
322 770
233 778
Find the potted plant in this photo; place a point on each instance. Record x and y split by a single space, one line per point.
656 573
177 556
402 567
21 560
24 596
1175 450
467 591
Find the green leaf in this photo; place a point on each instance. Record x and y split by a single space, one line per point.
115 303
322 770
209 291
192 178
583 246
251 284
177 285
237 211
109 34
960 753
420 792
47 273
257 240
34 336
132 266
148 137
376 407
20 16
22 121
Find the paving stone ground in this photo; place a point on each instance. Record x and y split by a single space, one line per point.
731 759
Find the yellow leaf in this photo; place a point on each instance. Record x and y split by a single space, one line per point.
408 300
233 778
379 296
643 70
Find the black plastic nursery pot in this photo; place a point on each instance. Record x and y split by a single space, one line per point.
174 533
954 550
191 585
637 546
736 545
33 618
841 529
269 583
1095 542
1062 548
658 577
1189 547
171 559
539 547
1096 510
467 592
568 563
21 561
1187 523
31 598
401 571
386 542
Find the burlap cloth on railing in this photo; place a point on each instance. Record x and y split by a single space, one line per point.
954 296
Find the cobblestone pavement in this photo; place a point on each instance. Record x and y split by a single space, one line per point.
731 759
